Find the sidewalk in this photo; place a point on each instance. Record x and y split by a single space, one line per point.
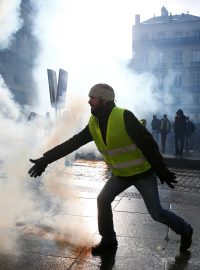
143 243
187 161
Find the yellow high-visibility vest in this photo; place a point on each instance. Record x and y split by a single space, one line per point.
120 152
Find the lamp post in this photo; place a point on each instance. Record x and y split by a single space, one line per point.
57 91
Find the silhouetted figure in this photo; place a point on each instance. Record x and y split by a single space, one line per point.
143 122
32 116
155 125
189 130
47 115
179 132
165 128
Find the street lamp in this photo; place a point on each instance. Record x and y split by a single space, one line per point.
57 91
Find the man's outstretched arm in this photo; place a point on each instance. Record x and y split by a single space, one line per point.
60 151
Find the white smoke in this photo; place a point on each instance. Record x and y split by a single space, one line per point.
15 145
23 199
92 41
8 108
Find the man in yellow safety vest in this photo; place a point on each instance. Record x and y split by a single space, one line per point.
134 159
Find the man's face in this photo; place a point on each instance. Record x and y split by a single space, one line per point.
96 104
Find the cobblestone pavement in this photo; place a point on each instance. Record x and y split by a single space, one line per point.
188 183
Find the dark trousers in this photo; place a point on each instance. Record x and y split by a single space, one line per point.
163 138
188 142
179 142
148 188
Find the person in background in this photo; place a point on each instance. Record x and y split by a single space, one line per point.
133 158
165 128
189 130
155 125
143 122
179 132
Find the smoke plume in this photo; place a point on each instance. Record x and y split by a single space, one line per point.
24 200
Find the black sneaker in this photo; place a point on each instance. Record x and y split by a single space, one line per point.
186 240
103 247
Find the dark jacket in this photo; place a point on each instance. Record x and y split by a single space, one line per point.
140 135
190 128
155 124
180 122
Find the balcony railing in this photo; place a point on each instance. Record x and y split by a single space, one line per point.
195 64
192 89
167 41
177 64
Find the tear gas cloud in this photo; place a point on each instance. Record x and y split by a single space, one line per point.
23 199
92 41
20 140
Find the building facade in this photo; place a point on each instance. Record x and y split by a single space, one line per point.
168 46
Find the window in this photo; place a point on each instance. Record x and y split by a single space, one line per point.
178 58
178 34
178 101
161 58
178 81
145 37
196 79
197 34
196 100
160 82
161 35
144 59
196 56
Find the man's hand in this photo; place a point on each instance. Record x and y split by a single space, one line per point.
166 176
39 167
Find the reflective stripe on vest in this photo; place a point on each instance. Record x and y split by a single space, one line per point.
127 164
119 152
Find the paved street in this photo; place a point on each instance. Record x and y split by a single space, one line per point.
143 243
